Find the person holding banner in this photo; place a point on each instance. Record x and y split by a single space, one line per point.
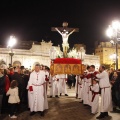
62 87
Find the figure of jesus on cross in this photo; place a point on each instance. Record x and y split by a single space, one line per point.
65 32
65 35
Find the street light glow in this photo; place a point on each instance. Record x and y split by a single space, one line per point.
109 32
113 32
12 41
116 25
112 42
113 57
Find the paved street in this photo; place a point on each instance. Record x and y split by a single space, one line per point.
64 108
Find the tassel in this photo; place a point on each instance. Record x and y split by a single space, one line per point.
31 89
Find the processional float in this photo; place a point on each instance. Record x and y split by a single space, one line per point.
66 65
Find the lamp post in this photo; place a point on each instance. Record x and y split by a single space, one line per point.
113 32
11 43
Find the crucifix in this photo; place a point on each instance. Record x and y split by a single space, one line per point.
65 32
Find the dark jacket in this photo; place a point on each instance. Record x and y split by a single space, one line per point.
19 79
26 79
2 85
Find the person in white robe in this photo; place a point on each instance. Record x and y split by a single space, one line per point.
37 96
106 99
95 96
92 75
82 89
86 87
79 87
51 86
89 82
85 90
47 76
62 84
54 86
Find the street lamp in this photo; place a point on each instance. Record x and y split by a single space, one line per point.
113 32
11 43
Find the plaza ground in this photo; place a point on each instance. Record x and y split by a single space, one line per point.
63 108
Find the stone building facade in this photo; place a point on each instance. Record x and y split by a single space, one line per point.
38 53
105 50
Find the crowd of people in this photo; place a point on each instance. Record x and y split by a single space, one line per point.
20 86
104 83
13 92
114 77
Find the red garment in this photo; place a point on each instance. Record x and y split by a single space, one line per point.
95 73
81 77
66 79
11 72
7 83
30 88
84 76
88 76
46 78
94 94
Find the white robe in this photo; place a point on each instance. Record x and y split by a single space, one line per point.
37 98
90 92
51 85
47 82
54 86
86 91
62 83
79 90
95 103
76 84
106 99
82 91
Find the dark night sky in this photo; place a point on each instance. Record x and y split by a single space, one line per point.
33 20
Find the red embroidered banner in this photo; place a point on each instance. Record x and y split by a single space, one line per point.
67 61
